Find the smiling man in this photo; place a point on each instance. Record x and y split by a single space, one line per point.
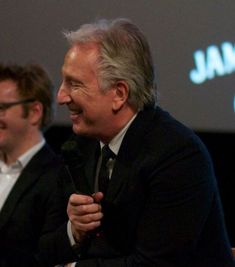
143 192
81 90
28 167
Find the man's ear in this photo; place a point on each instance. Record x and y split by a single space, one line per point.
36 112
121 90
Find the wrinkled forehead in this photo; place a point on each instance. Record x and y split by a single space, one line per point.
81 57
90 51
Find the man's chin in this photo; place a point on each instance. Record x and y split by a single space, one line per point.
77 129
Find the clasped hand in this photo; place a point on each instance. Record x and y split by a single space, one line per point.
85 213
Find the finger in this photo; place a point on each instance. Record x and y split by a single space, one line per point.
76 199
80 210
88 218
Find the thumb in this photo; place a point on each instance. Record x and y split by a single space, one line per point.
98 196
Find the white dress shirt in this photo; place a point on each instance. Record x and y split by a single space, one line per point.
9 174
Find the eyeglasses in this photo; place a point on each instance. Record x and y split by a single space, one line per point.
6 106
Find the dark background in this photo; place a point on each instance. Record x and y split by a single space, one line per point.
31 31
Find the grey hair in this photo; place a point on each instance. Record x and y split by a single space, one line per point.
124 55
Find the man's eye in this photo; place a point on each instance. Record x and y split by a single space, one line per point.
76 85
72 83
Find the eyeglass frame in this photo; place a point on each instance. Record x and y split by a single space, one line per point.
5 106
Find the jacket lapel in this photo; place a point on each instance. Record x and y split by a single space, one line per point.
129 150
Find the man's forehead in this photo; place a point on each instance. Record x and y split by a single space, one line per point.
80 57
8 84
86 49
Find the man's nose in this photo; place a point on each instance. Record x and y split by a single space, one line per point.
63 96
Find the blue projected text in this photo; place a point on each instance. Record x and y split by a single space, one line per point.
213 62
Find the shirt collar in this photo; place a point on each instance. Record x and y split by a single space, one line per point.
22 161
26 157
16 167
116 142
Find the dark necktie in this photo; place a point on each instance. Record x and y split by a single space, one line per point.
106 154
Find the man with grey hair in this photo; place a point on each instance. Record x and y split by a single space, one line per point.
153 201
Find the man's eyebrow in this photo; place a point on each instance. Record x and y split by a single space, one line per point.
71 78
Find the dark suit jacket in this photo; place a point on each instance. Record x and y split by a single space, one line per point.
25 211
162 207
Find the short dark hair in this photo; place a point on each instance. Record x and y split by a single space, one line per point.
32 82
